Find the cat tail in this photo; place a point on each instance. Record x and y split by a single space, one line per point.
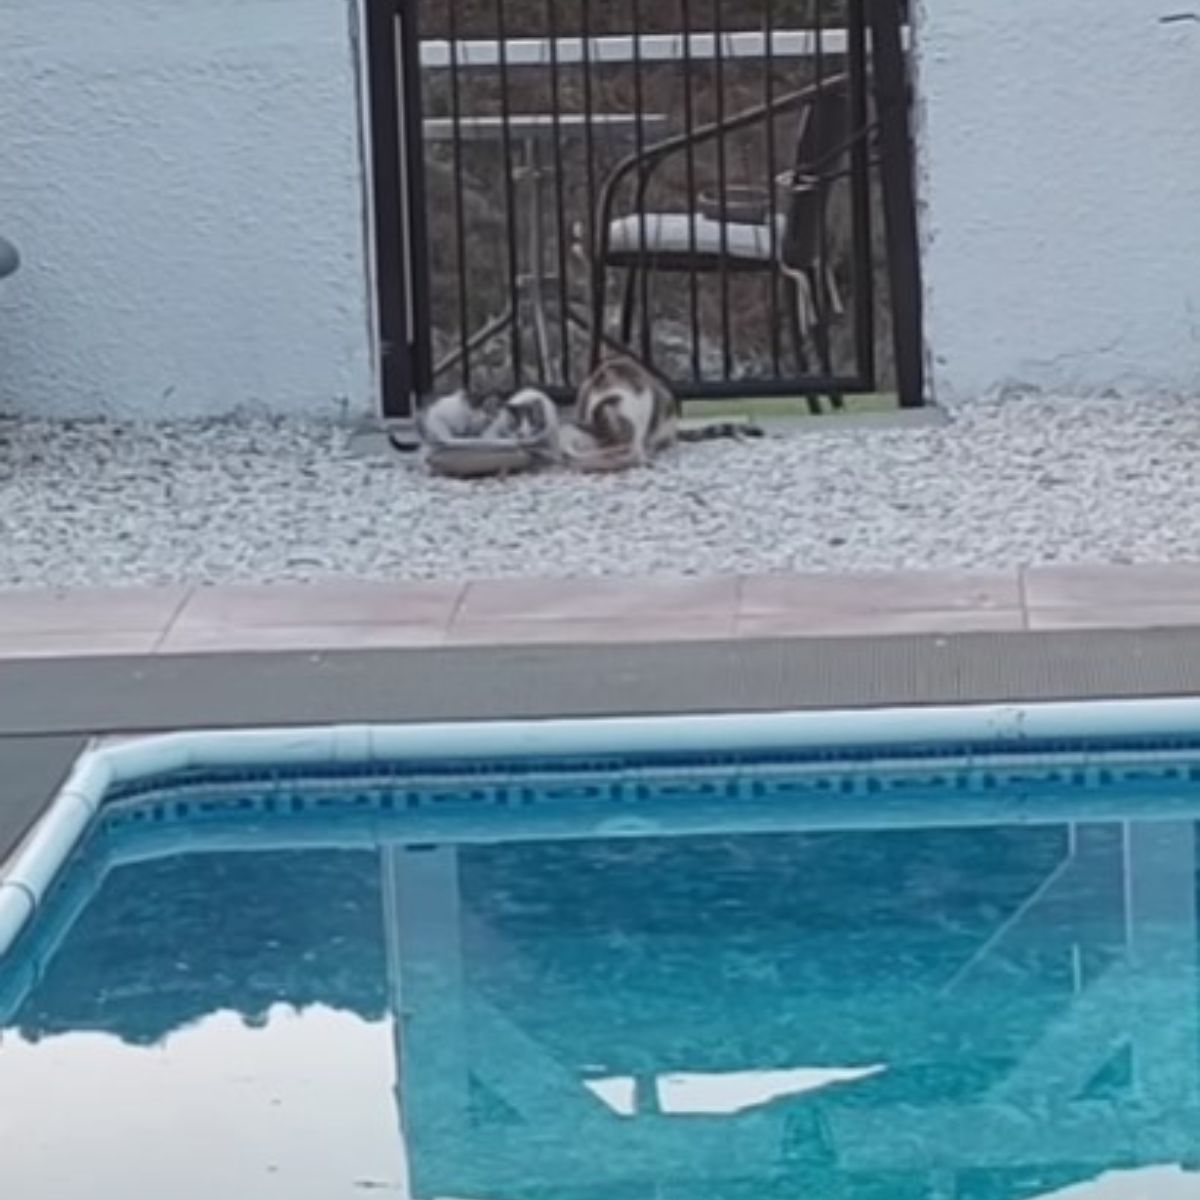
714 430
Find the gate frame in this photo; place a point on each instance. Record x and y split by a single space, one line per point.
894 102
393 63
398 186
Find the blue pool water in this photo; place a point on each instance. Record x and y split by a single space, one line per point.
328 1009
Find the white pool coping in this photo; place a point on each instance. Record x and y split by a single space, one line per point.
28 873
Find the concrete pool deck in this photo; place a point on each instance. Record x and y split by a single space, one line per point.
78 663
353 616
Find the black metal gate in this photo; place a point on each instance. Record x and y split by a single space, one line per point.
722 187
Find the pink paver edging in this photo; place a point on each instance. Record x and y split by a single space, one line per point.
357 615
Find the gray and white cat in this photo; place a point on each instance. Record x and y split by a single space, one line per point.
632 414
617 422
626 414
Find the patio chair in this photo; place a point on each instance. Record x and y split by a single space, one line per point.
640 242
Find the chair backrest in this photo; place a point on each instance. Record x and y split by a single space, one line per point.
822 146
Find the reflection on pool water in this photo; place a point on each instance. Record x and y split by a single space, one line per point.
970 1013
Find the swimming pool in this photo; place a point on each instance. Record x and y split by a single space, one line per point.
717 964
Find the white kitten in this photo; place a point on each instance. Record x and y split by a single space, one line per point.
457 416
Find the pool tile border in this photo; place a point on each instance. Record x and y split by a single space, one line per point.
995 730
342 615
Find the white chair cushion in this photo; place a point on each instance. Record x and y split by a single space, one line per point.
671 233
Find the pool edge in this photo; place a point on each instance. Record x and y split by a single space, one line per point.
28 872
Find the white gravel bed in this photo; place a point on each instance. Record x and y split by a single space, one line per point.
1001 484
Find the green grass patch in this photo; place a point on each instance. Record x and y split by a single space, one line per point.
784 407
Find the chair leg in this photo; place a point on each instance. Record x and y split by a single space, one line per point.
629 305
645 309
821 333
795 321
599 304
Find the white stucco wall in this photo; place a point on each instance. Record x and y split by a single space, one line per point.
184 182
1059 182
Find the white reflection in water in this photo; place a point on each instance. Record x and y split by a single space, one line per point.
724 1092
301 1108
1149 1183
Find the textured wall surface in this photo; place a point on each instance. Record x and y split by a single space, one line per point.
184 182
185 186
1060 188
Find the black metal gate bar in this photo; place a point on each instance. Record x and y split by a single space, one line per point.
860 163
819 298
510 210
389 204
722 186
560 215
589 133
772 191
893 101
689 128
460 219
639 141
407 33
591 146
